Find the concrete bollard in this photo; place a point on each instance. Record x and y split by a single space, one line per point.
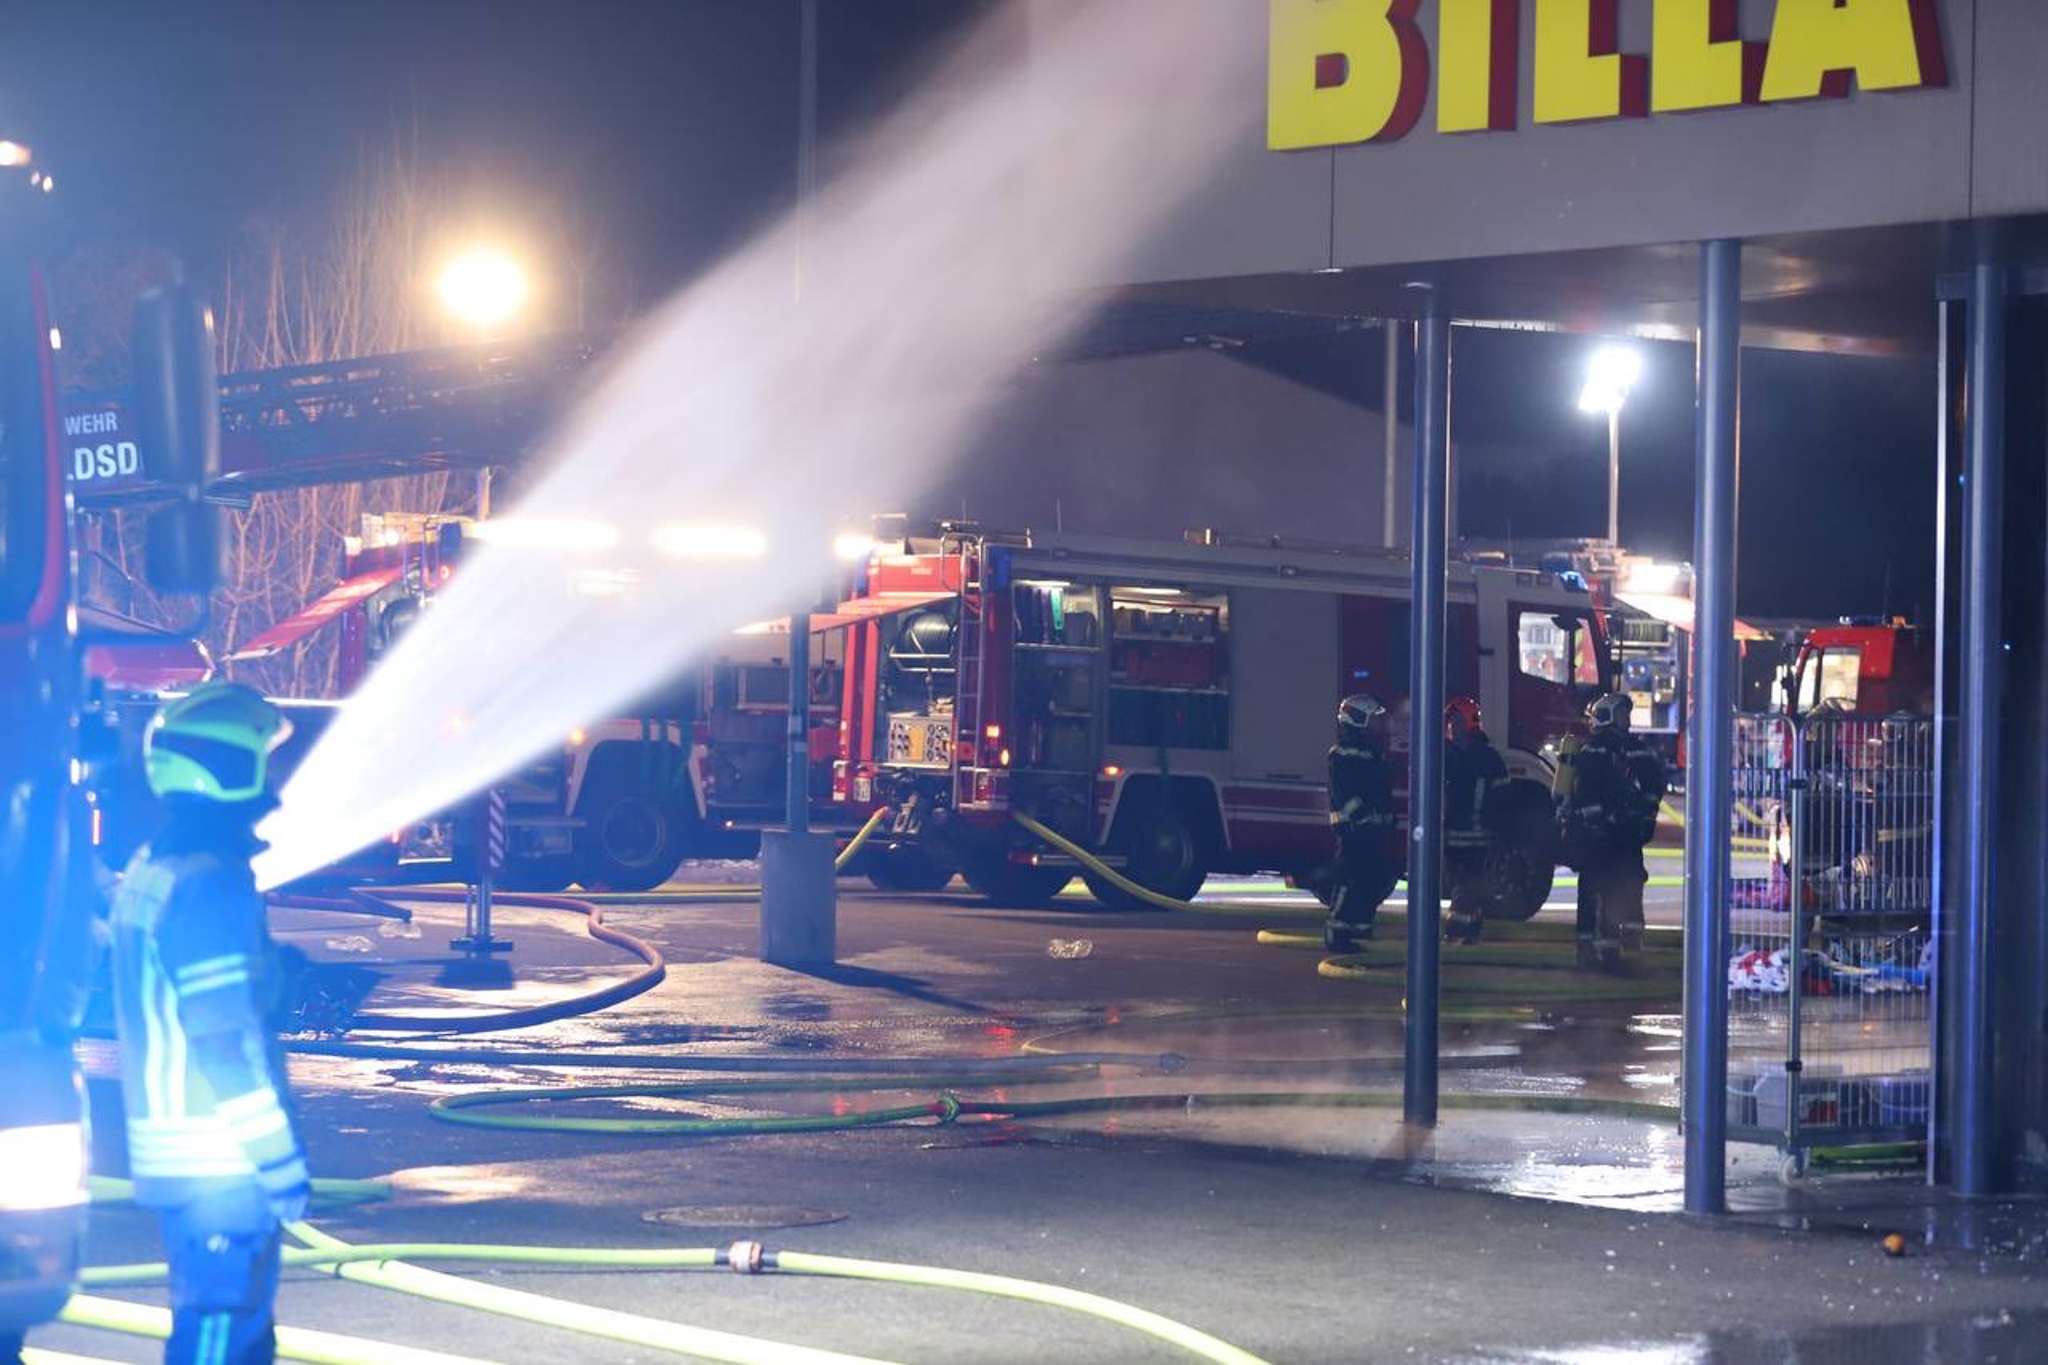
799 898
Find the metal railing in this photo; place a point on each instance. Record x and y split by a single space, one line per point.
1830 952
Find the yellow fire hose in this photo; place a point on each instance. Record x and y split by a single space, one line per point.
1356 967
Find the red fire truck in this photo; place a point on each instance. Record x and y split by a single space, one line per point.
693 771
1169 705
48 744
1873 665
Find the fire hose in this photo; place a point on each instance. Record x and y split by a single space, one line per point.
1356 967
384 902
388 1266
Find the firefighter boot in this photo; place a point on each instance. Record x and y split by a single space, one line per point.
1340 936
1463 924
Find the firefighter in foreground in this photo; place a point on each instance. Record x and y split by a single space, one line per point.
211 1141
1471 768
1362 813
1609 787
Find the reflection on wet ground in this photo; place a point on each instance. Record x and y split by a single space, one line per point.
2005 1337
1194 1003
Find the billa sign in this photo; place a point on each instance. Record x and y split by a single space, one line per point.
1344 71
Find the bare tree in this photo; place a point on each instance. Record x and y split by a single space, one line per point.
358 290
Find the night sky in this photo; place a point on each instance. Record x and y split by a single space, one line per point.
189 126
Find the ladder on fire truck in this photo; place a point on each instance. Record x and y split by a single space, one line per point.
967 680
452 407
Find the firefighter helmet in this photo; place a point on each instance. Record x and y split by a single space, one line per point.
214 743
1462 717
1361 713
1610 712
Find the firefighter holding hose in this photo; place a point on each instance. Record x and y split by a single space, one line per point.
1609 789
211 1140
1362 813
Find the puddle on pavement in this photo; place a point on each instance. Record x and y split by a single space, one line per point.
2005 1337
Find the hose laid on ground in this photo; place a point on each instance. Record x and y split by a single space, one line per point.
715 1345
1346 967
1124 884
649 975
947 1107
381 1265
293 1343
108 1189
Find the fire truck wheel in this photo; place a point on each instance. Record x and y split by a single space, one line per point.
1014 885
1514 882
1162 855
631 840
907 869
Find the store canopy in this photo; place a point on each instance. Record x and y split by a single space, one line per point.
316 614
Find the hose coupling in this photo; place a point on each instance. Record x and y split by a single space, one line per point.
948 1108
1171 1062
745 1257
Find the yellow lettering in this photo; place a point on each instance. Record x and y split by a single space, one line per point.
1697 61
1477 52
1581 72
1818 46
1343 71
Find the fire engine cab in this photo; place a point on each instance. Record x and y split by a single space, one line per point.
1872 665
1169 705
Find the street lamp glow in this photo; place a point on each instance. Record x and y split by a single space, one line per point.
1611 372
482 287
1599 399
1615 367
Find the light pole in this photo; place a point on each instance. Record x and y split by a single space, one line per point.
1610 374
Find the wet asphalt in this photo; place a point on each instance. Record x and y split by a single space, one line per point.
1299 1234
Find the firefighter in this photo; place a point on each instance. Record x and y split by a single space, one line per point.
1362 813
212 1144
1609 793
1471 767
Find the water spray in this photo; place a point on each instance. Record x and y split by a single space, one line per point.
714 459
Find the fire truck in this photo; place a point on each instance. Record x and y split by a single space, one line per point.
1875 665
1169 705
692 771
49 743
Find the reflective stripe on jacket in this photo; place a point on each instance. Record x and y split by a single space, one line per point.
202 1083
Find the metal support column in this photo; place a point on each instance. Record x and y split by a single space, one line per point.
797 796
1390 466
1709 727
1969 939
1426 706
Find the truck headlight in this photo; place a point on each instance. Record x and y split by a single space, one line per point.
42 1166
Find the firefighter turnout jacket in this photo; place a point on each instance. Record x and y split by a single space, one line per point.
1361 790
1611 798
202 1079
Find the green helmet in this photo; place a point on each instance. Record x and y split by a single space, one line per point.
215 743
